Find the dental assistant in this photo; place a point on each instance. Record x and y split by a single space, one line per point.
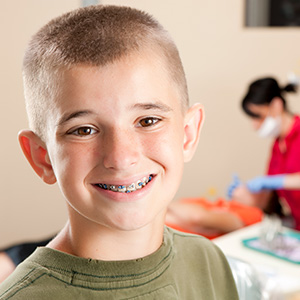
265 105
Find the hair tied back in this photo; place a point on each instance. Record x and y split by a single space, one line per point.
293 83
290 88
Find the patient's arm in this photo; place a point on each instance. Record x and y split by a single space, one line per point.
243 195
6 266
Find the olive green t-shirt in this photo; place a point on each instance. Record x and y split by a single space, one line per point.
185 267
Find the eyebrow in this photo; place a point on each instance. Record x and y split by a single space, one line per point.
152 106
77 114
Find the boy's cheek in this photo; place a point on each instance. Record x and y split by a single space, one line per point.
167 146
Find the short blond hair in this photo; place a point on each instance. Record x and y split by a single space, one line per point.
95 36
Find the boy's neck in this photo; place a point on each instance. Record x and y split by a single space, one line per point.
104 243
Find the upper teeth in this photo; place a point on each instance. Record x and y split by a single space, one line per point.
126 188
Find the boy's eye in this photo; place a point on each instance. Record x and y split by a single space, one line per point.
83 131
147 122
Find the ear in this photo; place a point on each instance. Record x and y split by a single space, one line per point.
36 153
194 119
276 107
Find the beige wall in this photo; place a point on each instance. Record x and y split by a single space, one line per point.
220 58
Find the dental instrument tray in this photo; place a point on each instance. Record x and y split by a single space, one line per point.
284 246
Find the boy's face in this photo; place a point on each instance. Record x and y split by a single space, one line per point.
111 129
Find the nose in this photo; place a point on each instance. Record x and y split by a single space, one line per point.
120 150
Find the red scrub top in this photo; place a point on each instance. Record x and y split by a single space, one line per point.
285 161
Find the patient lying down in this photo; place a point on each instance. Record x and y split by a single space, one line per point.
210 218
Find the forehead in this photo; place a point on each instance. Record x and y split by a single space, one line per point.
136 78
260 110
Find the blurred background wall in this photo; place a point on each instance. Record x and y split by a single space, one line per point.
220 57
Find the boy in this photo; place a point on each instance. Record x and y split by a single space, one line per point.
109 122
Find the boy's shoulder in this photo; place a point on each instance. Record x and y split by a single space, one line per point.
25 276
196 249
202 265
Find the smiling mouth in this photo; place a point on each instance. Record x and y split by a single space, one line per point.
126 188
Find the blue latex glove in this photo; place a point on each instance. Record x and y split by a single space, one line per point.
234 184
272 182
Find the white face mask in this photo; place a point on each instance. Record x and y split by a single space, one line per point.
270 128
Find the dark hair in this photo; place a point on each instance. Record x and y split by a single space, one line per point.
263 91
